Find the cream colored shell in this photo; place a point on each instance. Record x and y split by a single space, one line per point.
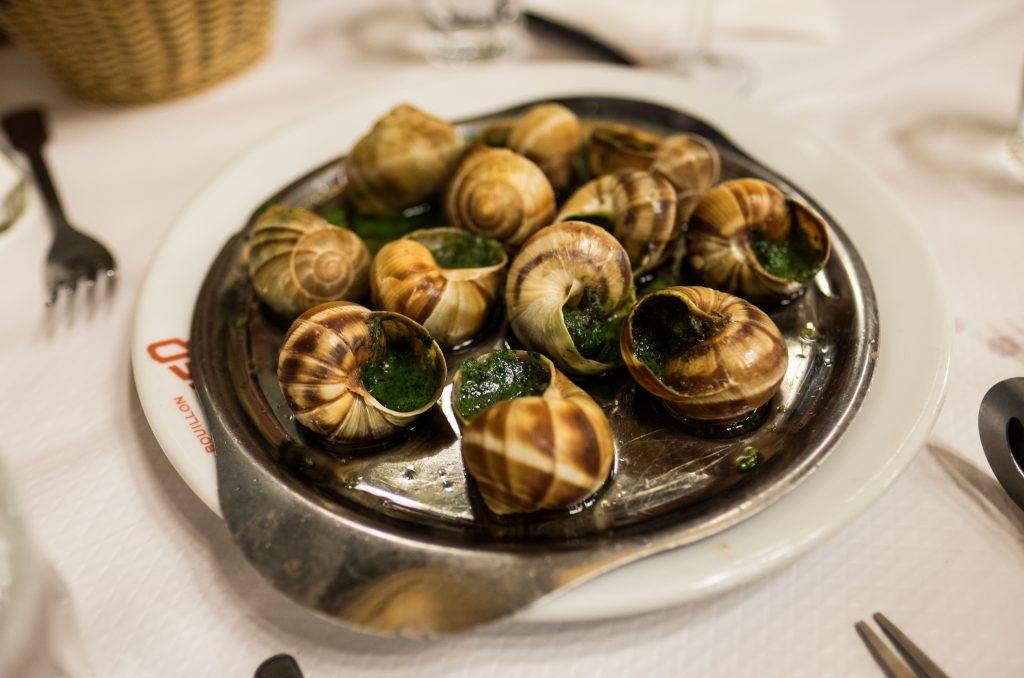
728 375
297 260
404 160
452 304
718 238
319 367
499 194
549 135
550 271
534 453
642 206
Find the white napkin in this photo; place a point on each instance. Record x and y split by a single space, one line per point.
647 30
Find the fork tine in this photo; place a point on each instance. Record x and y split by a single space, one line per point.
893 666
909 649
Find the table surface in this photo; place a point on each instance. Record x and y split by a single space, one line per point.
921 92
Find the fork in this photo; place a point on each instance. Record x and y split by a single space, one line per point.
917 664
73 256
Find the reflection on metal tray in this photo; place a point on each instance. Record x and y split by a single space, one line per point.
409 501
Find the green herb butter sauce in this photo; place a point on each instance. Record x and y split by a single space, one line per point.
500 375
594 333
663 327
462 249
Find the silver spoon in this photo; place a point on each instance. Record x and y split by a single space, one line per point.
1001 426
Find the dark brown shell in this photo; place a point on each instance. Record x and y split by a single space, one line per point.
535 453
727 376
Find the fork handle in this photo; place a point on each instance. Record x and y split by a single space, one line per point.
26 130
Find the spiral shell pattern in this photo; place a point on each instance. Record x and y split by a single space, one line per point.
692 164
402 161
552 268
729 374
544 452
549 135
499 194
452 304
643 208
718 244
319 368
297 260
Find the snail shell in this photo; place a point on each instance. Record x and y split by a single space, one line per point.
549 135
722 357
499 194
401 162
616 146
642 206
549 451
297 260
719 238
553 271
321 362
451 303
692 164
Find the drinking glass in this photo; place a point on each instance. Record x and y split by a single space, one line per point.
692 24
463 31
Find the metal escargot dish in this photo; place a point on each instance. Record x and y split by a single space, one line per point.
531 439
524 349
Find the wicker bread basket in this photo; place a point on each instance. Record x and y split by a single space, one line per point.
137 51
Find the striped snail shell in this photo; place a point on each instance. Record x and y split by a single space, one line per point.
549 135
297 260
746 237
452 303
551 450
708 355
323 365
692 164
641 207
570 270
499 194
402 161
616 146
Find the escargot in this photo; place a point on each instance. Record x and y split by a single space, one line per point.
402 161
638 207
499 194
351 374
297 260
708 355
746 237
531 439
447 279
692 164
549 135
616 146
567 292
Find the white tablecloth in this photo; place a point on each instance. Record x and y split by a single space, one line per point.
921 92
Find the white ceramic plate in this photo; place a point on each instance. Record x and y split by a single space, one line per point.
916 325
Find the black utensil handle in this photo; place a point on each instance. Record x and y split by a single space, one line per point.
26 130
279 666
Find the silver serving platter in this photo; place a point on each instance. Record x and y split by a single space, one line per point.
393 539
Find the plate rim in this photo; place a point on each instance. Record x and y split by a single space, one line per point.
547 80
